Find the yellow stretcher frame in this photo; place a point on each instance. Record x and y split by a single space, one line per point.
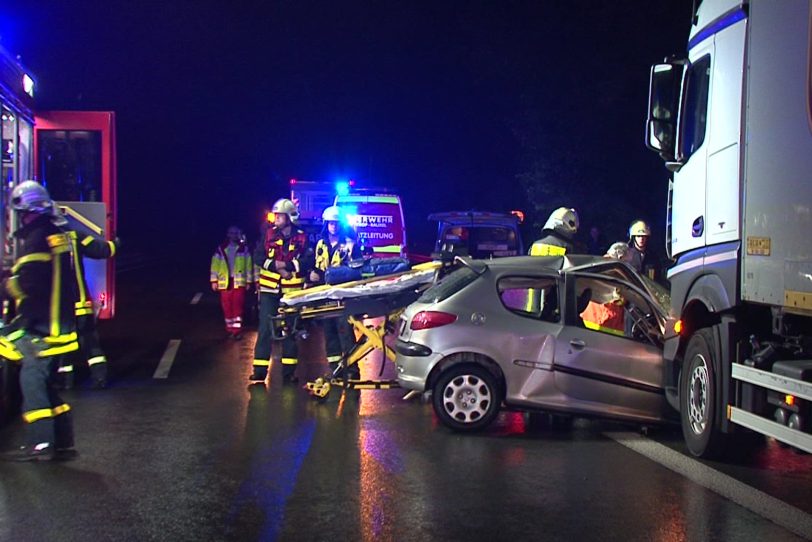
368 338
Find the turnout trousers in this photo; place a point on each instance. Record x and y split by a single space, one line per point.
268 308
47 415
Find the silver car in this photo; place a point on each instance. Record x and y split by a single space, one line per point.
523 332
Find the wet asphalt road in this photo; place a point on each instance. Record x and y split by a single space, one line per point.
202 455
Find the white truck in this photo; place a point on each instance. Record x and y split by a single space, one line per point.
733 122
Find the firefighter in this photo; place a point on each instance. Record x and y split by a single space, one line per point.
232 272
335 247
44 290
559 231
641 258
279 272
84 244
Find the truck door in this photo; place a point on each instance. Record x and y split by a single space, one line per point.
75 160
689 220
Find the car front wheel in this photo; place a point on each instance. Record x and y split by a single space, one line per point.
466 398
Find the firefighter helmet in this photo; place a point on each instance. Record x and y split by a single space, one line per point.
331 214
286 207
639 229
563 221
31 197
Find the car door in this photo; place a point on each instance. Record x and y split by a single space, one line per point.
611 367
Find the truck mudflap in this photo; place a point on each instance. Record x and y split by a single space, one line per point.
793 433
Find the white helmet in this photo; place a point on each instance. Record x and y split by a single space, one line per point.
639 229
31 197
564 221
286 207
618 251
331 214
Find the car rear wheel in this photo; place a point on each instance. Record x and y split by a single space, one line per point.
466 398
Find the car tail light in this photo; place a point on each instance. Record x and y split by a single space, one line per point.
430 319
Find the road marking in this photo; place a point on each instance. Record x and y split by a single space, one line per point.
167 359
196 298
775 510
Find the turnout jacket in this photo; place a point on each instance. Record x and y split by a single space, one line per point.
85 245
279 248
553 244
43 286
329 255
242 269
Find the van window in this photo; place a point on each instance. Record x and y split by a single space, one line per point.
696 107
378 220
482 241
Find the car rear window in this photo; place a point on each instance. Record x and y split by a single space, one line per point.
449 285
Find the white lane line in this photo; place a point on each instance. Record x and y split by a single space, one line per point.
167 359
775 510
196 298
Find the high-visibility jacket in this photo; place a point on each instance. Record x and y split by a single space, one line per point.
551 245
334 255
43 287
605 317
242 269
86 245
280 248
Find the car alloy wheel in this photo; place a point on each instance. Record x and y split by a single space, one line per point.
466 398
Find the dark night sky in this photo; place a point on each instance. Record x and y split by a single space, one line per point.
219 103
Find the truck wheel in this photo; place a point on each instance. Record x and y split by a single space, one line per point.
699 404
466 398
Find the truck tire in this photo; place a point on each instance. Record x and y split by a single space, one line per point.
700 407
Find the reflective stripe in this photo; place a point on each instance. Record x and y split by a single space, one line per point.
87 240
389 249
97 360
9 351
56 350
62 339
333 359
543 249
14 335
43 413
28 258
56 273
83 312
112 248
65 369
369 199
58 240
289 361
261 363
604 329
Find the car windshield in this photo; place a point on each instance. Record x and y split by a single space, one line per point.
449 285
659 293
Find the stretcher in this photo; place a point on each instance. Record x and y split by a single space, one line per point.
383 297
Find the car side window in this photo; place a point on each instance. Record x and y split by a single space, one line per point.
532 297
614 308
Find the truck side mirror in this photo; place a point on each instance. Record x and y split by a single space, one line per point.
663 108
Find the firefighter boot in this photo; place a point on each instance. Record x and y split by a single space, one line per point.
43 451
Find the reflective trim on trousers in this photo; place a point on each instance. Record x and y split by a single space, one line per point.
261 363
289 361
35 415
97 359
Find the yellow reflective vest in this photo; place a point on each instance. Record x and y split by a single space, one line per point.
242 268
